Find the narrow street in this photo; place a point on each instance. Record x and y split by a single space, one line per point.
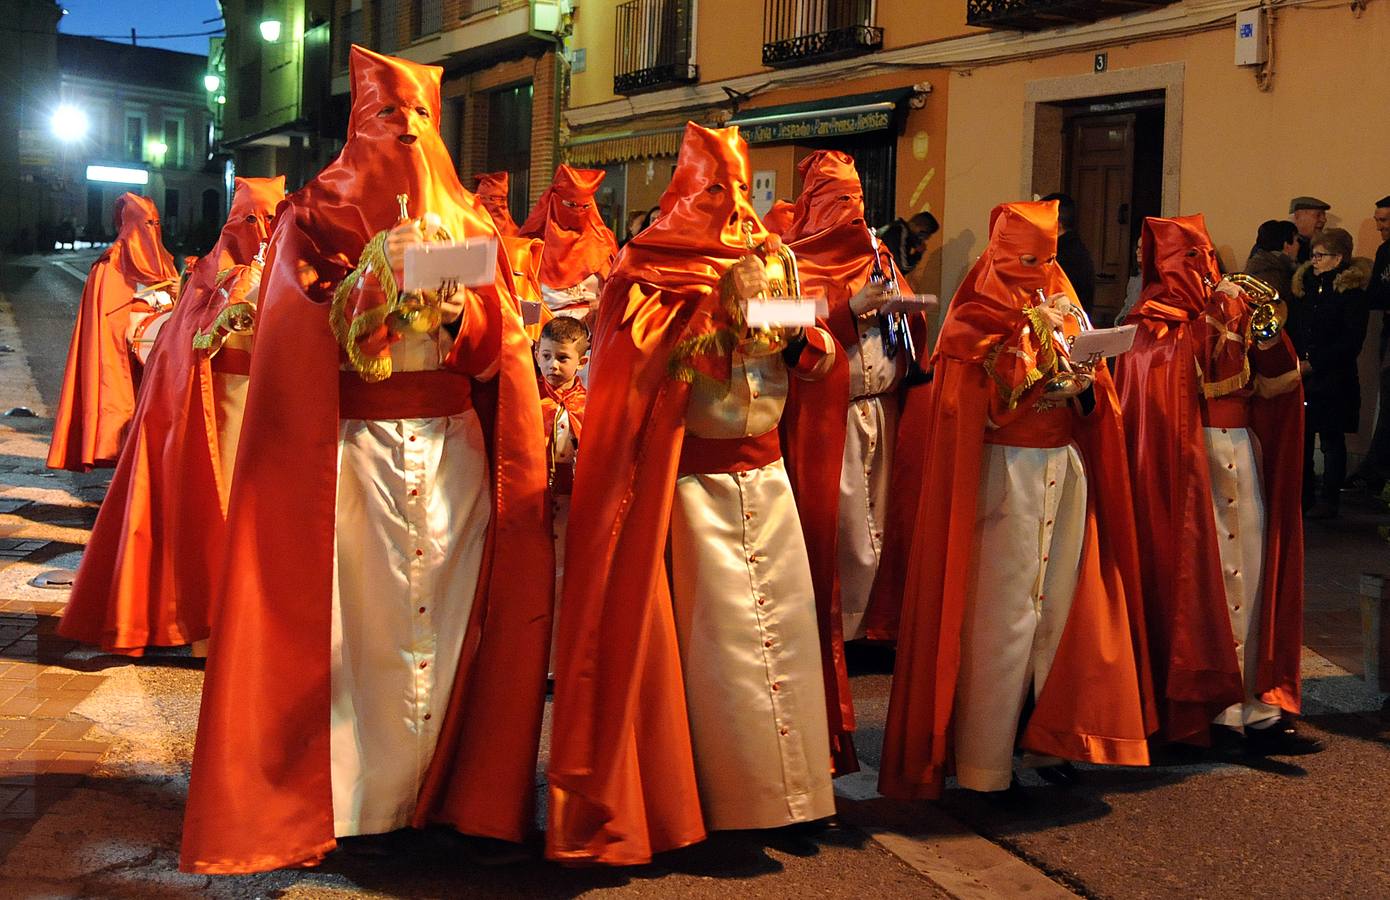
95 749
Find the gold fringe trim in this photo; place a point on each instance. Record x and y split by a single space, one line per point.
1213 389
222 326
373 261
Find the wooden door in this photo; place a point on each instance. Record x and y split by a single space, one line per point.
1100 174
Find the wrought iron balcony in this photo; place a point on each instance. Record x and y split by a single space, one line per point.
653 46
802 31
1035 15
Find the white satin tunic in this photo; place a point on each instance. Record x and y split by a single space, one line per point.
1237 503
575 300
872 426
1030 525
746 622
412 514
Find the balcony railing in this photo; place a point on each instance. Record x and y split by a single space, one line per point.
429 17
1035 15
801 31
653 46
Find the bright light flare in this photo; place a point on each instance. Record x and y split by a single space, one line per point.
118 175
212 82
270 30
69 124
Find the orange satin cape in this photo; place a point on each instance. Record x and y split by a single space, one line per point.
835 258
779 217
260 795
1195 669
99 384
1095 705
147 573
577 243
493 189
524 254
622 776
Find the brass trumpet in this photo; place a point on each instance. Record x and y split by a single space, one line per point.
1267 311
1072 376
415 311
783 280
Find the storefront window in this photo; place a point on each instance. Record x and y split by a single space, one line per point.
509 143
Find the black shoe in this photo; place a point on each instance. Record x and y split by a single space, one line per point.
1321 511
374 846
1013 797
1064 774
1280 739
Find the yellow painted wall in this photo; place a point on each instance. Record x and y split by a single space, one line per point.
729 38
1322 130
1244 153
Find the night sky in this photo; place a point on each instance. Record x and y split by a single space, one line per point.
117 17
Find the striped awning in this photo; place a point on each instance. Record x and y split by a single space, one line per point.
605 149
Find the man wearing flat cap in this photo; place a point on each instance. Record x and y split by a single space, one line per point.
1309 216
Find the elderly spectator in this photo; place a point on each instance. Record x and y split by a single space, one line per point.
1276 250
1309 215
1328 325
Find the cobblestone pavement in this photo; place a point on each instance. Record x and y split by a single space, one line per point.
95 750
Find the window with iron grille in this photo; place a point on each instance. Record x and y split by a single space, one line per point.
352 27
427 16
509 143
652 45
473 7
801 31
1033 15
386 25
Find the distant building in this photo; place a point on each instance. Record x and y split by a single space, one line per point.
138 120
27 158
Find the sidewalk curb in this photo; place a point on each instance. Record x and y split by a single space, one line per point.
947 853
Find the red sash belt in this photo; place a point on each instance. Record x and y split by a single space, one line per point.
232 361
1226 412
710 456
1042 429
405 395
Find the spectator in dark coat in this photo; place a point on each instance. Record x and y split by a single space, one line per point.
1375 468
1072 254
1327 322
906 239
1276 248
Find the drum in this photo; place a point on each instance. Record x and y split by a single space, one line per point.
144 328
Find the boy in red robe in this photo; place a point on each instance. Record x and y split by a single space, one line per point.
1214 420
579 247
125 285
151 565
1023 578
378 657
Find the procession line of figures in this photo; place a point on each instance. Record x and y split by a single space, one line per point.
364 499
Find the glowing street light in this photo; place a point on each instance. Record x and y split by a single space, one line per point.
158 148
69 124
211 82
270 30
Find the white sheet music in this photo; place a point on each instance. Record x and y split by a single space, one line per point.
1103 342
469 263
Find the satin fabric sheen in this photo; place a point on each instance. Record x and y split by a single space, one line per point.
1094 706
147 574
1195 670
260 795
493 189
622 776
98 394
577 243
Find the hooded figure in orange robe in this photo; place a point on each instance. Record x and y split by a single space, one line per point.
99 383
1198 391
623 782
264 789
579 247
493 190
993 362
148 571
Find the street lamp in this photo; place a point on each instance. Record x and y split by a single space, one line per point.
211 82
69 124
270 30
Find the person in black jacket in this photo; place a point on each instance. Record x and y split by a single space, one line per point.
1374 470
1276 248
1327 321
1072 254
906 239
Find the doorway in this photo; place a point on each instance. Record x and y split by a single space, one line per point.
1113 167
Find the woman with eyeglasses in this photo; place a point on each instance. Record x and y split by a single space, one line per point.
1327 321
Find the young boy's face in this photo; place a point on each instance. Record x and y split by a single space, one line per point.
560 360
